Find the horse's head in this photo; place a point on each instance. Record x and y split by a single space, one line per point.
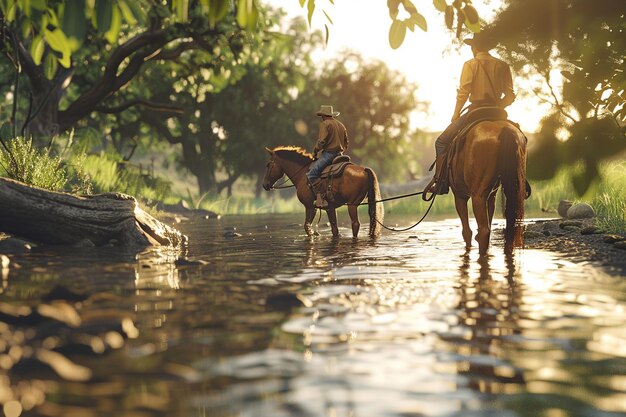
273 171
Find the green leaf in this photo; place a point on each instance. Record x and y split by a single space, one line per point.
302 3
247 14
419 21
311 8
40 5
449 17
127 13
9 14
474 27
327 17
57 40
181 8
37 49
50 66
393 5
471 14
104 14
397 32
217 11
139 10
74 22
440 5
116 24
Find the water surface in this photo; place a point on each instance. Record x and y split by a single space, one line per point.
272 323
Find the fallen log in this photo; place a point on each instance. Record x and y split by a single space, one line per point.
59 218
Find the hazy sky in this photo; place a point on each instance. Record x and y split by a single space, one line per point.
430 59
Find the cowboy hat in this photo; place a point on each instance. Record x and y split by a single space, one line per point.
327 111
480 41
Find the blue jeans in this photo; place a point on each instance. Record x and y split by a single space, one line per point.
316 168
443 141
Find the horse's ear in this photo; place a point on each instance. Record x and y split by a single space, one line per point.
271 152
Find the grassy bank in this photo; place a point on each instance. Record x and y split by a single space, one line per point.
606 196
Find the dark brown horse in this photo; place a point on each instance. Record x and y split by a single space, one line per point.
493 153
351 188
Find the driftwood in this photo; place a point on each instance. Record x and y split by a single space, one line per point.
59 218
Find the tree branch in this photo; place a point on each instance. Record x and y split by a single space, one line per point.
160 107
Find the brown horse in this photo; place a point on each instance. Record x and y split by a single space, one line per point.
351 188
493 153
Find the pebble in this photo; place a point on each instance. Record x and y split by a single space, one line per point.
232 234
564 205
581 211
181 262
60 292
589 230
565 224
531 234
13 245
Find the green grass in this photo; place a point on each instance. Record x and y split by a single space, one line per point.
604 195
28 164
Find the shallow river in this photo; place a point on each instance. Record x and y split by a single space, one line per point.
274 324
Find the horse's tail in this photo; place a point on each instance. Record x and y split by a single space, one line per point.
376 210
513 176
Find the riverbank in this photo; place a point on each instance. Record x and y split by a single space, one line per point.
580 241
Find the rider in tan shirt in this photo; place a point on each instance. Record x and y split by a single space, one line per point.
332 141
486 81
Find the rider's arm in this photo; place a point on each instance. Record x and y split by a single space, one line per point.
465 87
322 138
509 94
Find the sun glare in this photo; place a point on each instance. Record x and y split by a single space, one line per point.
433 59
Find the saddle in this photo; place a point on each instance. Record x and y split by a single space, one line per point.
481 114
323 184
336 168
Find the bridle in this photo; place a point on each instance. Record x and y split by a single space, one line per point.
280 186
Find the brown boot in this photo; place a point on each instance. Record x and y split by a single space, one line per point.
320 202
439 183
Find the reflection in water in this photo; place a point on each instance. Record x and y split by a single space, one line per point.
272 323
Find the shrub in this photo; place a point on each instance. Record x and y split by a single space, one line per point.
23 162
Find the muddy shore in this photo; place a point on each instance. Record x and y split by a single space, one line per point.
580 241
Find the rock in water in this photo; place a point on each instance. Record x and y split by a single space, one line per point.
564 205
580 211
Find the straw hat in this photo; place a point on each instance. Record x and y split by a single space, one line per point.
327 111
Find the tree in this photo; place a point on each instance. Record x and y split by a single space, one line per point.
375 104
586 41
41 40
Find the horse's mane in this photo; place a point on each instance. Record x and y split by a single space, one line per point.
294 154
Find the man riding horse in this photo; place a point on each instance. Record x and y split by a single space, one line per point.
332 141
487 82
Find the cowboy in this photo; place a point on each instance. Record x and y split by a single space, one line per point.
487 82
332 141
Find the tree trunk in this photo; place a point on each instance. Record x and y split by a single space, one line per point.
59 218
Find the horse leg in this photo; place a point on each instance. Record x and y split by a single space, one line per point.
309 216
479 204
354 216
332 218
491 206
461 209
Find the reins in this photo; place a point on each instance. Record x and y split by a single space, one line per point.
431 199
